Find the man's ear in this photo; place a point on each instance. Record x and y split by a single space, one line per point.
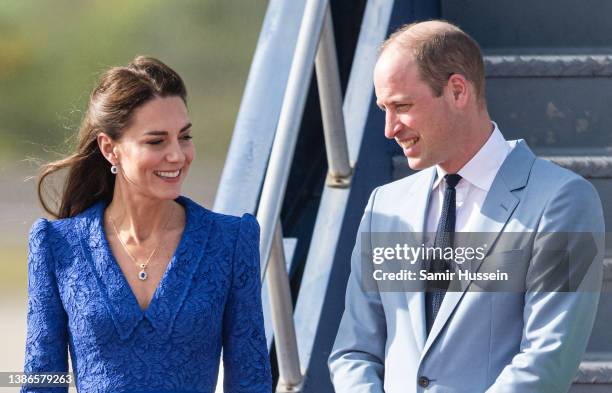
107 147
459 89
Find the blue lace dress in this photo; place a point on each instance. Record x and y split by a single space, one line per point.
208 299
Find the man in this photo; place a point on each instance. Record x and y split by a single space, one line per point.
429 81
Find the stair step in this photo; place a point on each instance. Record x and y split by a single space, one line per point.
567 65
607 275
595 368
527 95
590 167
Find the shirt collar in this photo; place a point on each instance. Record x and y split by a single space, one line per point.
480 171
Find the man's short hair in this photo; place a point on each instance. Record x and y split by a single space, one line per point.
441 49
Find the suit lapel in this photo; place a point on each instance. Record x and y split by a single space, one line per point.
497 208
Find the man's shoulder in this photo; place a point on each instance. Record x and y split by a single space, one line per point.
545 169
560 199
551 179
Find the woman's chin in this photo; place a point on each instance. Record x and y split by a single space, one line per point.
168 195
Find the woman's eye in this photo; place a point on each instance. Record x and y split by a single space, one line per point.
159 141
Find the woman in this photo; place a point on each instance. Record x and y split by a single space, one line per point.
142 286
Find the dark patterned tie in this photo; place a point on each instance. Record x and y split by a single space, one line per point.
444 238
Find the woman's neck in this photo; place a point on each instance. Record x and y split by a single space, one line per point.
139 216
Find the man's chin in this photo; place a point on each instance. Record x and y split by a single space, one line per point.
416 164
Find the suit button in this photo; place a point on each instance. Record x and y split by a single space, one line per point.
423 382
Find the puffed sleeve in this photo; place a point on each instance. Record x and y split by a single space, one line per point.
46 342
245 353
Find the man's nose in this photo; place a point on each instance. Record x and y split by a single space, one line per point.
392 125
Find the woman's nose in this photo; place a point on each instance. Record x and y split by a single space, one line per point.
175 154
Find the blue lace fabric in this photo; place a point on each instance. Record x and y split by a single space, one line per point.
208 299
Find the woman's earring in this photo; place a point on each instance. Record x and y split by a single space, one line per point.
114 169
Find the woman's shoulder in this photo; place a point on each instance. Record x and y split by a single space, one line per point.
226 223
62 226
46 232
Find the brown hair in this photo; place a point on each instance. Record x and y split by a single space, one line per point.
441 49
111 104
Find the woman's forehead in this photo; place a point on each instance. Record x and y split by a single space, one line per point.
167 114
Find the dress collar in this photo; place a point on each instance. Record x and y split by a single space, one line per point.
174 284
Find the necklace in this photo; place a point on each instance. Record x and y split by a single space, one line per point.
142 274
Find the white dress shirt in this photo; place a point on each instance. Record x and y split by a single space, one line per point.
476 179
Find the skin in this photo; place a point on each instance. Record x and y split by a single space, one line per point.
143 209
450 128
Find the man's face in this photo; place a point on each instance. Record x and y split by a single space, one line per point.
420 123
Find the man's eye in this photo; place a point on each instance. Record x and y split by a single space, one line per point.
187 137
156 142
402 107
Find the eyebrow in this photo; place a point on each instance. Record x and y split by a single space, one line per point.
185 128
396 101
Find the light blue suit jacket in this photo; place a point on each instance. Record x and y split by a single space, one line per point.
522 342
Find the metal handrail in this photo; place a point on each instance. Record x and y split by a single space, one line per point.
275 184
253 135
330 98
315 44
277 174
281 305
332 210
281 72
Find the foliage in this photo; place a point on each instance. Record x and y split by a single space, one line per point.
51 53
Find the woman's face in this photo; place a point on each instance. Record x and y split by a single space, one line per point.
155 150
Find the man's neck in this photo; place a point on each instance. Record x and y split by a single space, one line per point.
478 132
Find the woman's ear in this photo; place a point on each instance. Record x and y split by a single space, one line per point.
106 145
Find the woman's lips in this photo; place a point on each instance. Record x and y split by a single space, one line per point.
169 176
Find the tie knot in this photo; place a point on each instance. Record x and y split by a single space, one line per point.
452 179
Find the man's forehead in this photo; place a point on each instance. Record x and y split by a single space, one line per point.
394 69
394 63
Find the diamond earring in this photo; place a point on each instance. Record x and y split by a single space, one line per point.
114 169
